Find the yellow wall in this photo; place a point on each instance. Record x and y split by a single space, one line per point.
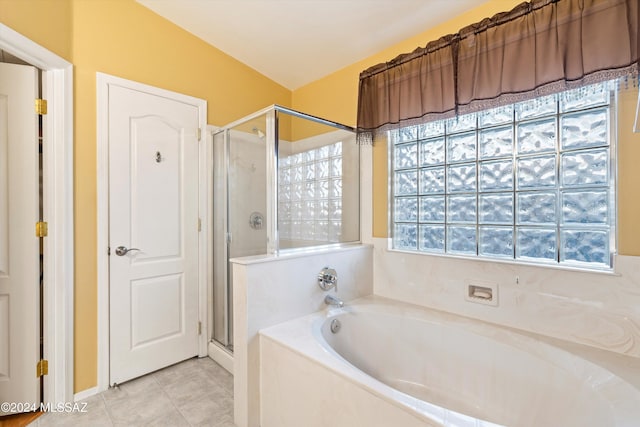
46 22
628 175
335 97
122 38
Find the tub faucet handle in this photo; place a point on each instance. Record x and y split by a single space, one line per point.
328 279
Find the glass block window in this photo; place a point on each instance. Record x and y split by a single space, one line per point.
310 195
531 181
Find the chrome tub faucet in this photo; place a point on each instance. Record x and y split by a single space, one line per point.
333 301
327 280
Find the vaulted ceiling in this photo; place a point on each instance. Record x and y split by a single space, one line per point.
295 42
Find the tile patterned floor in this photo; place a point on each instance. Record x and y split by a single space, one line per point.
196 392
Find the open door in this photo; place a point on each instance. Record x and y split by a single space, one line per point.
19 246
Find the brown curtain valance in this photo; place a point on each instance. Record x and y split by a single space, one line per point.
540 47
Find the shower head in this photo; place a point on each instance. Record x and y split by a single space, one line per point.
258 132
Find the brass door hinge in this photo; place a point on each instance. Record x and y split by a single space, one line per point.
42 229
199 224
41 106
42 368
199 328
199 132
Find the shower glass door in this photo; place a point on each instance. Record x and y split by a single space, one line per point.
241 227
283 180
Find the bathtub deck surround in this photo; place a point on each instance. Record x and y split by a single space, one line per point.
269 290
509 379
597 309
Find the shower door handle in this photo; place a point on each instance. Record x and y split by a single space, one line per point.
122 251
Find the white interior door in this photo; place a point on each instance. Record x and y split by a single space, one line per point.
153 214
19 246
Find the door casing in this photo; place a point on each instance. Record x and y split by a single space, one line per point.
58 211
102 86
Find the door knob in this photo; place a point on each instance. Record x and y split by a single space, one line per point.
122 251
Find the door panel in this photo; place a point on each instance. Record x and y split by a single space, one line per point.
4 238
156 188
19 246
153 210
148 296
5 345
4 187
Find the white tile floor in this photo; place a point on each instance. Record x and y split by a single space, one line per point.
196 392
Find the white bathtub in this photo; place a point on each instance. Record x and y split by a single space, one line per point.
396 365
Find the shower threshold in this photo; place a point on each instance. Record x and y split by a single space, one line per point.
222 354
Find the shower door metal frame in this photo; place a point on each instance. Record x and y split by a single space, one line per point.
271 148
271 114
224 174
271 142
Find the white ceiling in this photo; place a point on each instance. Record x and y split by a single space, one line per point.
295 42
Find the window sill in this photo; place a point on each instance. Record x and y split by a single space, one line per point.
521 263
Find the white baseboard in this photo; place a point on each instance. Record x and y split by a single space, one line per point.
84 394
221 356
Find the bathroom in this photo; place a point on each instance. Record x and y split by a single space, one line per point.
590 312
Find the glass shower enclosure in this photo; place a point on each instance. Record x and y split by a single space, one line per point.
282 181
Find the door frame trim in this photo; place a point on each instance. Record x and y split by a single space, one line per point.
103 81
58 197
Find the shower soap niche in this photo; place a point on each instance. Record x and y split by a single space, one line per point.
482 293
